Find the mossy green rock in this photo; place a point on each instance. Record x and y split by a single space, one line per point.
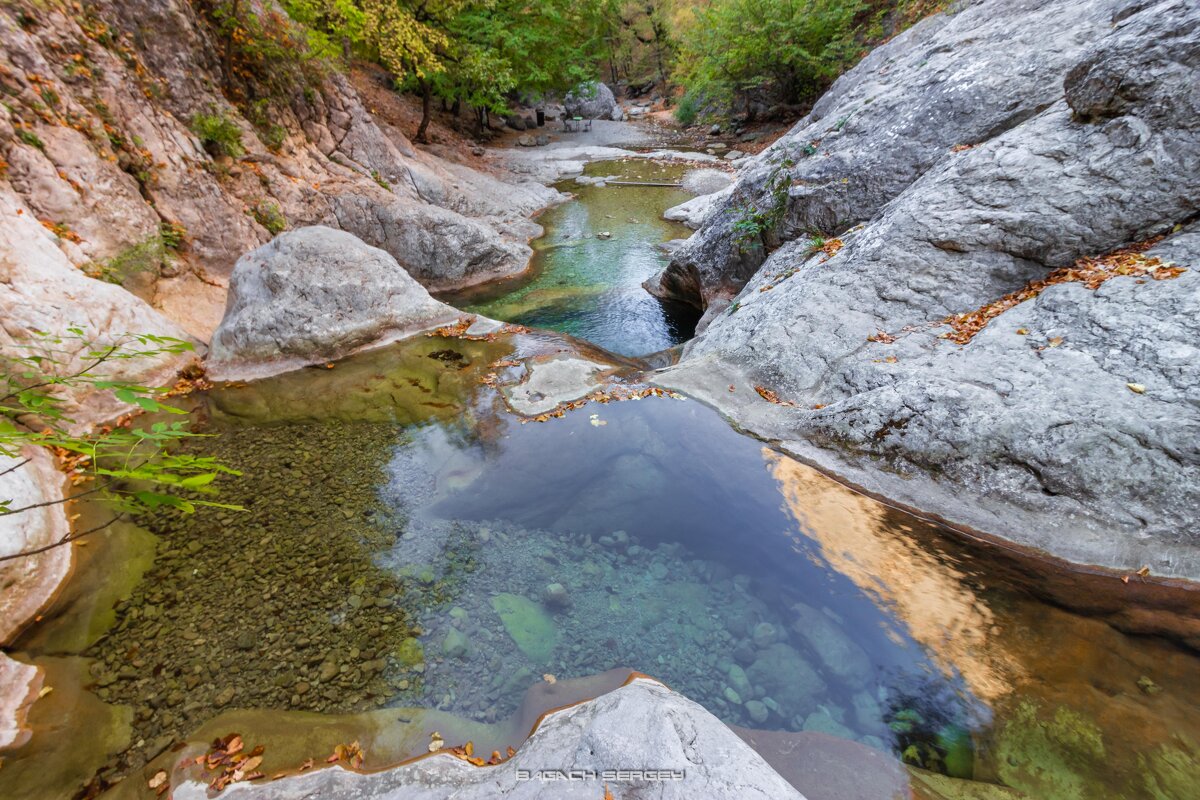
410 653
955 742
1051 752
529 626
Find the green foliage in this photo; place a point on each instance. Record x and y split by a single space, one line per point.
219 134
689 107
30 138
477 52
792 47
375 176
128 466
750 223
269 215
272 134
753 222
263 52
148 255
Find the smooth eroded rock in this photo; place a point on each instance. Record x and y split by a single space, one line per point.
640 726
314 295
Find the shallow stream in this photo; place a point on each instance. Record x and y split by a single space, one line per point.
587 270
416 557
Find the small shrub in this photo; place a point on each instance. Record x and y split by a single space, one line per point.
219 134
689 108
149 255
30 138
270 133
380 180
173 236
270 217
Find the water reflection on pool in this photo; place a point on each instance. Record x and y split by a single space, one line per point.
410 543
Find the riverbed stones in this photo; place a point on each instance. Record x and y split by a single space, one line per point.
739 681
758 711
454 644
763 635
556 597
840 654
823 721
530 627
314 295
787 677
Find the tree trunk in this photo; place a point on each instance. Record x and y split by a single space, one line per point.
426 110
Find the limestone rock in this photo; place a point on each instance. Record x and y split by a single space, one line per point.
706 181
592 100
26 584
18 683
109 163
40 290
952 79
1017 431
313 295
640 724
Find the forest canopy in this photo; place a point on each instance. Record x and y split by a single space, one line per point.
712 57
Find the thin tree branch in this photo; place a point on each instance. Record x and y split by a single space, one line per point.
16 467
60 500
57 381
70 537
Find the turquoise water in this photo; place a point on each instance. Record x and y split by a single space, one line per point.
591 287
408 542
629 545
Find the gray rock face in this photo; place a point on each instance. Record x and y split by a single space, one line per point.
1029 431
591 100
641 726
438 247
313 295
327 161
952 79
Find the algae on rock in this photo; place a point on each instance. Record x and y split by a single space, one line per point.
529 626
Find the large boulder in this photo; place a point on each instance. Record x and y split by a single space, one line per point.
953 79
590 100
642 726
440 248
313 295
1070 421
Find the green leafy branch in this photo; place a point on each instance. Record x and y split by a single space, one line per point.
131 468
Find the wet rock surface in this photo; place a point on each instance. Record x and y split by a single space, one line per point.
1014 431
674 734
30 480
